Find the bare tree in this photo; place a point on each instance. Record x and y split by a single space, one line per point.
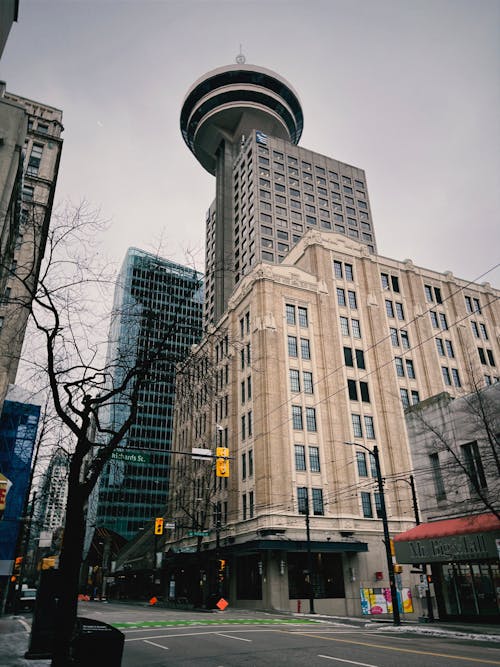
67 352
456 442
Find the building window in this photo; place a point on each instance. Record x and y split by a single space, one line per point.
302 500
292 346
308 382
356 329
410 370
369 428
405 398
440 347
415 397
475 329
290 314
294 380
365 394
317 498
344 326
366 504
434 319
400 372
243 466
314 465
297 417
244 506
446 375
302 312
337 269
361 462
356 426
34 160
250 463
352 300
484 332
405 341
311 419
456 377
389 308
251 503
394 337
341 296
300 457
384 277
352 389
360 359
449 348
305 349
443 321
474 466
243 427
399 311
349 274
348 358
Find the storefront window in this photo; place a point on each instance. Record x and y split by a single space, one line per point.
471 589
249 579
328 579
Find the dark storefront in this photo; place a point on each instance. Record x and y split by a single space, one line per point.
464 556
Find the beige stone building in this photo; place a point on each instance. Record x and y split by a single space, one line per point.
326 348
30 153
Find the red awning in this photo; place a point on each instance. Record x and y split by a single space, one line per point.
479 523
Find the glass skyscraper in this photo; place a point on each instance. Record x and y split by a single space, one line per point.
157 305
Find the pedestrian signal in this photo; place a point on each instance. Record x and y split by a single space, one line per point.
159 525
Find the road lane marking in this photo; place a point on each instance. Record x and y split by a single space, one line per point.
351 662
221 634
146 641
483 661
25 625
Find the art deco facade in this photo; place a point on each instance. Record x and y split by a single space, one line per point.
328 347
315 346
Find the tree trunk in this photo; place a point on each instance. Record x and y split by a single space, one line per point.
69 567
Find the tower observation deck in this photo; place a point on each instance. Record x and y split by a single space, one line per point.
229 102
221 110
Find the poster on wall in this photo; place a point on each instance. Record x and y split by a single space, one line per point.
379 601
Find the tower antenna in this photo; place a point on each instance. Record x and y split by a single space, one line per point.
240 58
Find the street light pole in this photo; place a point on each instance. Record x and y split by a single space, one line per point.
309 560
387 539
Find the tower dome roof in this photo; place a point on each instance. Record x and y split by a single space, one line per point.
236 99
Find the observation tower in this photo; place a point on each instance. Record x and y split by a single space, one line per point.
220 112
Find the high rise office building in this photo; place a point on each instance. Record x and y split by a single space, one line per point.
156 303
243 124
314 355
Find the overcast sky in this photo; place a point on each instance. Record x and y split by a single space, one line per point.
406 89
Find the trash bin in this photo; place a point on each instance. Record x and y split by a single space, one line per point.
97 643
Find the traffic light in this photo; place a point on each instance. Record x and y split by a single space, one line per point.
397 568
429 578
222 462
222 564
159 525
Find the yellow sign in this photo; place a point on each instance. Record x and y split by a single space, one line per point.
159 525
222 452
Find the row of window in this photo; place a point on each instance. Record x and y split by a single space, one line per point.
248 505
298 419
305 347
351 298
307 381
296 313
343 270
303 501
394 309
247 457
246 425
300 458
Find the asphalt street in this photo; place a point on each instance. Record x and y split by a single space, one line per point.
157 637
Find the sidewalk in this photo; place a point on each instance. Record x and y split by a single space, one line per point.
14 637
